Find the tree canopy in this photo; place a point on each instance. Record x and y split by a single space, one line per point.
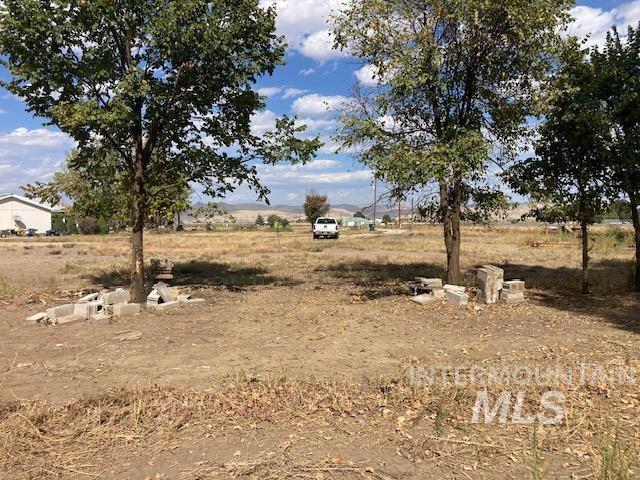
165 84
456 84
315 206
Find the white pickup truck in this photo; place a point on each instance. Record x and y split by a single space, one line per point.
326 228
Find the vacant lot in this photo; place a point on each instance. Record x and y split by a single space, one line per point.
297 366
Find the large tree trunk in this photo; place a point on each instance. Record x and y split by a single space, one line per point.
451 224
137 241
585 257
633 200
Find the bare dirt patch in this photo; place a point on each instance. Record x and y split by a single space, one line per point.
299 361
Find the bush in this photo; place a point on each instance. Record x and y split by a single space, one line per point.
102 228
87 225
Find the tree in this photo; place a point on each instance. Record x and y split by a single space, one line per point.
316 206
259 220
166 84
103 193
386 219
359 215
456 79
570 171
617 67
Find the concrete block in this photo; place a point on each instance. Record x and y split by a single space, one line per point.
167 294
457 297
70 319
60 311
163 307
87 309
183 297
514 286
490 281
424 299
454 288
100 317
89 298
512 297
193 301
38 317
124 309
119 296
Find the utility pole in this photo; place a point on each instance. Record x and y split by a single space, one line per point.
412 217
375 198
400 212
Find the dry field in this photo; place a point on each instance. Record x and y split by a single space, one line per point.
297 367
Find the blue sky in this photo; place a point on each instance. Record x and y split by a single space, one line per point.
312 85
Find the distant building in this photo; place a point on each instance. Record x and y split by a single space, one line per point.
20 213
356 222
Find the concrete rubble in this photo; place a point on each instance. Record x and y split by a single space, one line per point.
426 290
105 305
493 288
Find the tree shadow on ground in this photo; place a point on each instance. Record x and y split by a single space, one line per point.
611 298
203 273
377 280
557 288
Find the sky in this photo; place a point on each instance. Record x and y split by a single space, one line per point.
313 84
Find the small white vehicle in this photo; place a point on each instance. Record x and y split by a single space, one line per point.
326 228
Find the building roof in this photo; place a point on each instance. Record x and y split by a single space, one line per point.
26 200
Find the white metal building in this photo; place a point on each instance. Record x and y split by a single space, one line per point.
18 212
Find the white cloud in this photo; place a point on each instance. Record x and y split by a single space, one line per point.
315 105
307 71
41 137
292 196
300 20
367 76
263 122
596 22
293 92
269 91
319 46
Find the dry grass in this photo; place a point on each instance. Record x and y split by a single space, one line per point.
422 425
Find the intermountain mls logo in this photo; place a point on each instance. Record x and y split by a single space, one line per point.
509 404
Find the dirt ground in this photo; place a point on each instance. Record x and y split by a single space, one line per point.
297 366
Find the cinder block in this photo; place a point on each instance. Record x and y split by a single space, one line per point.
70 319
87 309
512 297
167 294
514 286
457 297
60 311
163 307
89 298
124 309
117 297
454 288
38 317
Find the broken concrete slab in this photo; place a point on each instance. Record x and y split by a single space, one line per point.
69 319
168 306
124 309
89 298
183 297
457 297
38 317
424 299
60 311
117 297
167 293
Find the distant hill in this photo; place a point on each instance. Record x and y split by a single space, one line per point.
247 212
